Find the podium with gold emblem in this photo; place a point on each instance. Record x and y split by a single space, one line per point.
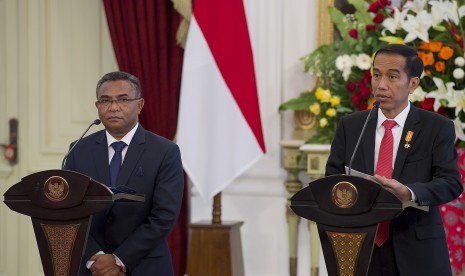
347 210
60 204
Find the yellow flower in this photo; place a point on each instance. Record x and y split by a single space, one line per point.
331 112
392 39
335 100
323 122
323 95
315 108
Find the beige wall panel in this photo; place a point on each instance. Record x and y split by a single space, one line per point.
65 66
52 52
9 221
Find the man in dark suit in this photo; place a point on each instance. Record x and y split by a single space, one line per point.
423 167
130 237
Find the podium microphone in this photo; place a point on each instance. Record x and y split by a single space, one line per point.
96 122
375 105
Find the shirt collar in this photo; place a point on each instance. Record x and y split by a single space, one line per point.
400 119
127 138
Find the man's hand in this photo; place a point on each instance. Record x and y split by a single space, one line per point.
105 265
398 189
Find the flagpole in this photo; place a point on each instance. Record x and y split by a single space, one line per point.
216 212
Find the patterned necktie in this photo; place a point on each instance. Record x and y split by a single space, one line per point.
384 168
116 161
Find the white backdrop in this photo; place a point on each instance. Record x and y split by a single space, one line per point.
52 52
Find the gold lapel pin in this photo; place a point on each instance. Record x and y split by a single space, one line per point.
408 138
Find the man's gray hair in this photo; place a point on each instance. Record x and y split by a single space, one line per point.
118 75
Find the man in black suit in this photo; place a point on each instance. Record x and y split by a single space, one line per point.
129 238
424 165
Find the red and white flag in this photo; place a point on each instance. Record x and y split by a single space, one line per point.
219 126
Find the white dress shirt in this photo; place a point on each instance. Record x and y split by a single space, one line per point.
396 133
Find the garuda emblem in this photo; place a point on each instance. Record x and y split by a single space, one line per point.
56 189
344 194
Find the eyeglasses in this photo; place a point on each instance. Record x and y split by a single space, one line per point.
120 102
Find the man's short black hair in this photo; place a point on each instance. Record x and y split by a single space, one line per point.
413 63
118 75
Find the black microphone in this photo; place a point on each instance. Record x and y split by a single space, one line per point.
96 122
375 105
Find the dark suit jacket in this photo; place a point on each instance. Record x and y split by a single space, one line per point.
135 232
428 167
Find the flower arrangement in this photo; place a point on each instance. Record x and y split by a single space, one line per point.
342 68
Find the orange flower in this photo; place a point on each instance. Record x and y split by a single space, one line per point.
446 52
428 73
426 57
435 46
424 46
440 66
371 101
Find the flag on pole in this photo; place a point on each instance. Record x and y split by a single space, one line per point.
219 126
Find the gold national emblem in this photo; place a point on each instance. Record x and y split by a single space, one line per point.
344 194
56 189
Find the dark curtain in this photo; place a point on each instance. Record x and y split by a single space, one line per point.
143 33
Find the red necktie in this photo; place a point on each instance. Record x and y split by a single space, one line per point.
384 168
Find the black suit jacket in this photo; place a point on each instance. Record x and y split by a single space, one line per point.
428 167
135 232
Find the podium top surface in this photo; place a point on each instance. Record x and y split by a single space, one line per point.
345 201
61 195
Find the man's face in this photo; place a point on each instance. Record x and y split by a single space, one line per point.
391 84
118 117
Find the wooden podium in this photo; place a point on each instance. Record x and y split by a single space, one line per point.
60 204
347 210
215 248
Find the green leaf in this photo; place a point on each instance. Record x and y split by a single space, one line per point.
444 102
440 28
361 14
300 103
339 19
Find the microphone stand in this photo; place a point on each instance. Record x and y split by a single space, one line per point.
96 122
375 105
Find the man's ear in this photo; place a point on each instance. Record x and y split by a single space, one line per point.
414 83
140 104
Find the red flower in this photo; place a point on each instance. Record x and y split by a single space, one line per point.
351 86
378 19
362 106
367 76
353 33
427 104
365 92
374 7
357 99
361 84
370 28
385 3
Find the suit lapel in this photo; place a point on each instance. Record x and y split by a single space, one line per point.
100 153
368 142
411 124
135 150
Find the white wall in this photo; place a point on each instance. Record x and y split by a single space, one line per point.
52 53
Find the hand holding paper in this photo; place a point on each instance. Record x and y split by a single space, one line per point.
398 189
